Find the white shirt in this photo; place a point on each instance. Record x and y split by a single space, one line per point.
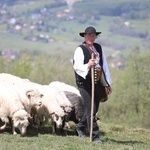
82 69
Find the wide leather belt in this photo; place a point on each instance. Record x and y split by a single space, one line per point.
97 74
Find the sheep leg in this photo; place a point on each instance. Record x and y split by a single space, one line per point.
4 126
67 125
13 129
53 127
46 119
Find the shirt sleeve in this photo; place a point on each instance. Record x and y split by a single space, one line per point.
106 69
80 68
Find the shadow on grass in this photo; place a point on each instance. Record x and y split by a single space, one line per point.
7 130
123 141
33 131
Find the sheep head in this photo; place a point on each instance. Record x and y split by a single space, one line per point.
35 97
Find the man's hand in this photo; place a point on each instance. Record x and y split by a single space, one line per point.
108 89
91 63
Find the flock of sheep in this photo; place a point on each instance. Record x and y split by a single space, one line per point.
23 101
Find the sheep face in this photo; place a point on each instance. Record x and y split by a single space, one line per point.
35 97
58 120
20 121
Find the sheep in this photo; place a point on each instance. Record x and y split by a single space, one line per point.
78 105
53 95
11 107
43 112
29 96
77 111
64 103
50 107
64 87
74 97
7 78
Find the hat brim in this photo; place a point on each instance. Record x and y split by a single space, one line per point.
82 33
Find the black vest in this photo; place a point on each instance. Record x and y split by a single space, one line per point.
87 56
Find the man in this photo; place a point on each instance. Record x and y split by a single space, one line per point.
82 67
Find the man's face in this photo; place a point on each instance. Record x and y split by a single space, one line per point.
90 38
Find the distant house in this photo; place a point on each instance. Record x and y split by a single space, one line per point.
9 55
42 37
60 15
118 63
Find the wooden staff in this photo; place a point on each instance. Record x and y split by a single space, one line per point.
92 98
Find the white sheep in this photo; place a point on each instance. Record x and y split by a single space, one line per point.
73 95
11 107
61 86
50 107
29 96
64 103
7 78
56 99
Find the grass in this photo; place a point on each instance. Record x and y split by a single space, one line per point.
29 6
141 25
113 137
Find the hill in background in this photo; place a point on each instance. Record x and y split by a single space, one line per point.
55 24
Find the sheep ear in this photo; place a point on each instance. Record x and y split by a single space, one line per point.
52 113
41 95
62 106
28 93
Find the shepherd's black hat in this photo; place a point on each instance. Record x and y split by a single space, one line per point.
89 30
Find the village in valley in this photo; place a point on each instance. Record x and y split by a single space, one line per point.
42 24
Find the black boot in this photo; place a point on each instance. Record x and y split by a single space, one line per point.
97 140
80 132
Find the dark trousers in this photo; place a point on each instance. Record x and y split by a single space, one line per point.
85 122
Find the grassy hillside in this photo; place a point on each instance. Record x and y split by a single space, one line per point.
130 85
65 31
